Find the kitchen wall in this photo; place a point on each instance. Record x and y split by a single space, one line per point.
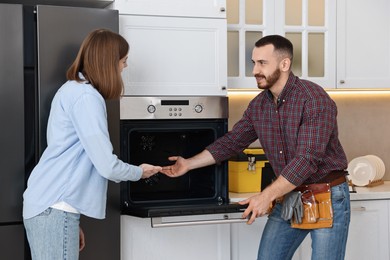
363 119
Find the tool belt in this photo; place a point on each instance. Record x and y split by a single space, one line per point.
309 206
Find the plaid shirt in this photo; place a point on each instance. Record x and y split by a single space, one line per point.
298 134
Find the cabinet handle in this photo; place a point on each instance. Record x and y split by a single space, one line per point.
222 9
342 81
157 222
359 209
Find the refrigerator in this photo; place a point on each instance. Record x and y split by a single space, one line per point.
37 45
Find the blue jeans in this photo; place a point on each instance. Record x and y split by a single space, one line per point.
53 234
279 241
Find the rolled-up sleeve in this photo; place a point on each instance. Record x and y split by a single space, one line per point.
242 134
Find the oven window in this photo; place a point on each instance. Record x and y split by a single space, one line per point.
154 146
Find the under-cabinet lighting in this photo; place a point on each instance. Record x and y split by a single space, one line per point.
243 92
358 91
330 91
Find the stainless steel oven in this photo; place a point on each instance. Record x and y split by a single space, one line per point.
154 128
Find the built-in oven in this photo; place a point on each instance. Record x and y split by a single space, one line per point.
155 128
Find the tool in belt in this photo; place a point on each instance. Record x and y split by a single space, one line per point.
309 206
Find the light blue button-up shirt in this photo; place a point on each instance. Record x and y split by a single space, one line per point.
79 157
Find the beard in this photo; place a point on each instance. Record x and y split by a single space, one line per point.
269 81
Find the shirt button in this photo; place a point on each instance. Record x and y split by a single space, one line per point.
280 152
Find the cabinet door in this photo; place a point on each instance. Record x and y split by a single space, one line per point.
369 230
309 25
245 240
363 44
174 56
188 8
207 242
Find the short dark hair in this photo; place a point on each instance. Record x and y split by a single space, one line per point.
280 43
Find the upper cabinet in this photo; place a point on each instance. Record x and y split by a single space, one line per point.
186 8
341 44
363 44
177 47
174 55
309 24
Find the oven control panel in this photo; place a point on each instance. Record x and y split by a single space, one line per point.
175 107
174 111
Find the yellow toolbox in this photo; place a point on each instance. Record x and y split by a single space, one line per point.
245 171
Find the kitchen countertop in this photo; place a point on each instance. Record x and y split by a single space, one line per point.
379 192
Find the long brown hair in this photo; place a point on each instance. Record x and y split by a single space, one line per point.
98 60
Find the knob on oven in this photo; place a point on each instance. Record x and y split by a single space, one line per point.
151 109
198 108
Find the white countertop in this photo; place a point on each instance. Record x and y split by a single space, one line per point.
381 191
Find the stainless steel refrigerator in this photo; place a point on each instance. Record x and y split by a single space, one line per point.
37 45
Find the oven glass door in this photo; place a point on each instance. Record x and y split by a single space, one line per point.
153 141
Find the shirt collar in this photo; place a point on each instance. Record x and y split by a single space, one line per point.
82 77
287 88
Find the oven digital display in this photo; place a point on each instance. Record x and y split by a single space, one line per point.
175 102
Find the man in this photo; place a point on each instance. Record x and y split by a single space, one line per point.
295 122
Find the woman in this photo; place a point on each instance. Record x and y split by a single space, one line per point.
71 176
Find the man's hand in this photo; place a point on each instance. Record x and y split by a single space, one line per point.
258 206
182 165
178 169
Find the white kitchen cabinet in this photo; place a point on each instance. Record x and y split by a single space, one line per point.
187 8
363 44
172 56
245 240
388 232
369 230
368 236
139 241
236 241
354 53
309 25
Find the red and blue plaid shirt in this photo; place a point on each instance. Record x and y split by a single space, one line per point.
298 134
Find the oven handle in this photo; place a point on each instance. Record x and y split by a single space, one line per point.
157 222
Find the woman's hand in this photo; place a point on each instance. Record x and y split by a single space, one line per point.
149 170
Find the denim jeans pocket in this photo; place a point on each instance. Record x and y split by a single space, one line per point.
45 213
340 196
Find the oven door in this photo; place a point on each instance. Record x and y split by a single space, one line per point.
200 191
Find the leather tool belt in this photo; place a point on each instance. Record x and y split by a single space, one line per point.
319 187
309 206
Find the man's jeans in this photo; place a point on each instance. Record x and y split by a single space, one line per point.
53 234
279 241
